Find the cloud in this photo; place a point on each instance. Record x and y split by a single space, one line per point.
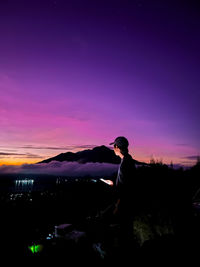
10 150
72 169
33 156
72 147
195 157
182 144
11 154
19 155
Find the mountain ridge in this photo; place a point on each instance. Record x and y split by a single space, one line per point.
101 154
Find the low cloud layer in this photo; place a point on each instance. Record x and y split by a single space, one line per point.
72 169
17 155
195 157
66 148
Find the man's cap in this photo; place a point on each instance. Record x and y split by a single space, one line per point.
121 142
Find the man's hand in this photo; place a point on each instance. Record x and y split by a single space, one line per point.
109 182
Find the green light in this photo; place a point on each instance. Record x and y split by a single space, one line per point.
35 248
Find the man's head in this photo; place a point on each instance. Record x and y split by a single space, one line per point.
120 145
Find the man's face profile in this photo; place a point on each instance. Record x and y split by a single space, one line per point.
116 150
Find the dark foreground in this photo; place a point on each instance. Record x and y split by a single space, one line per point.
165 224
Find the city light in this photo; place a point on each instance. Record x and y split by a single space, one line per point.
24 182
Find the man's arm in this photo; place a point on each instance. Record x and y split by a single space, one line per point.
116 206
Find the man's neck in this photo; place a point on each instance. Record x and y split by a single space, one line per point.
121 156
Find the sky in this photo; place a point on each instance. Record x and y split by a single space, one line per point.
77 74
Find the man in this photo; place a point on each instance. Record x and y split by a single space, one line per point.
116 221
126 172
125 189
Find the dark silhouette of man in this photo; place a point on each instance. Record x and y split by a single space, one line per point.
122 210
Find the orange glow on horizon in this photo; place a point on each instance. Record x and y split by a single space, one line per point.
11 161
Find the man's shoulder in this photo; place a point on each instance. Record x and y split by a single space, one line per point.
128 157
128 160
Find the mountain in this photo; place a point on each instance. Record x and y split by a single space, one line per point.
100 154
97 154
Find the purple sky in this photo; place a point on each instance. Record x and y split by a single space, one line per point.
77 74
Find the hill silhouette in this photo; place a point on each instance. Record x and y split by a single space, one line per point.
97 154
101 154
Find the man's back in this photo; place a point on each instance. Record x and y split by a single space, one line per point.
126 172
125 189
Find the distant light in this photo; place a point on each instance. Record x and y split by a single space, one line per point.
35 248
26 181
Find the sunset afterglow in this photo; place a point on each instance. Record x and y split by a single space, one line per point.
75 78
